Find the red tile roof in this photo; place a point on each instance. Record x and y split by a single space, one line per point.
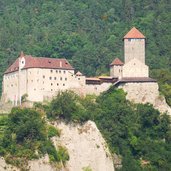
40 62
116 61
134 33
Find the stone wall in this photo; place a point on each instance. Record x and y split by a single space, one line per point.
97 89
146 93
135 68
134 48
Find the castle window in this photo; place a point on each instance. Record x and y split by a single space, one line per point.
65 79
78 78
129 40
50 78
51 70
61 78
63 84
59 71
54 78
51 89
56 71
57 84
43 76
64 72
51 84
43 82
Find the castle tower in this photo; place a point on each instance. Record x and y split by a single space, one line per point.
134 46
116 68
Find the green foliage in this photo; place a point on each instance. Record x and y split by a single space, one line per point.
68 106
163 77
137 132
27 136
52 131
24 98
88 33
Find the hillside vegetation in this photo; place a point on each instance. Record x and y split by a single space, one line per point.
136 132
87 32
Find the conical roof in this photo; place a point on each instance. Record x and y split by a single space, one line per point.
134 33
116 61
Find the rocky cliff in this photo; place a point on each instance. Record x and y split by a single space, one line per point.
86 147
146 93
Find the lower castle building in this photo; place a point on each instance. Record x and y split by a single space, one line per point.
42 78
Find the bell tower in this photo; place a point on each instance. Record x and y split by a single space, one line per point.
134 46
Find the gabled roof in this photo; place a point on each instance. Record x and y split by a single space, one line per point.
40 62
134 33
116 61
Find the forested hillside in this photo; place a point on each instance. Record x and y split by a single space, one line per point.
87 32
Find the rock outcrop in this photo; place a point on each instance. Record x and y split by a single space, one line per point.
146 93
86 148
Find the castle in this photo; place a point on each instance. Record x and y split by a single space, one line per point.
42 78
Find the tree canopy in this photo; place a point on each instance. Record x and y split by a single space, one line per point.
88 33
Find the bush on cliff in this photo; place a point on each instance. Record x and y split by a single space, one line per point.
27 136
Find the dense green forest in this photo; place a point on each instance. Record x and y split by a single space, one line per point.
87 32
136 132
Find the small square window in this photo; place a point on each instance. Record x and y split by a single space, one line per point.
63 84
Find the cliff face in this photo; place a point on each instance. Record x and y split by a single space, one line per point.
146 93
86 148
